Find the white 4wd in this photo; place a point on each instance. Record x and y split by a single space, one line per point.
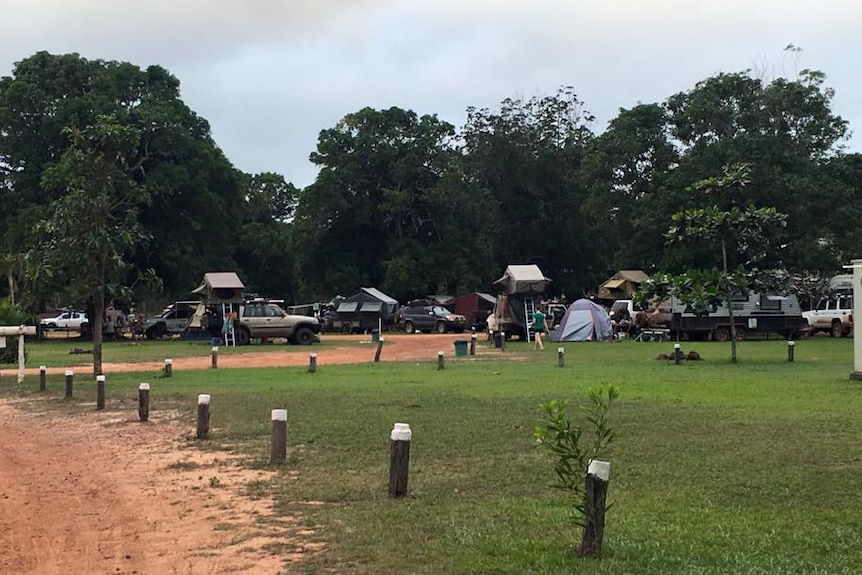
833 315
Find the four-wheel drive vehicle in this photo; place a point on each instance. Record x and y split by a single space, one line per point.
269 320
430 318
66 320
833 314
174 320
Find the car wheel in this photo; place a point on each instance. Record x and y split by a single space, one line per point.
152 332
243 337
409 327
303 336
346 328
837 329
51 325
441 327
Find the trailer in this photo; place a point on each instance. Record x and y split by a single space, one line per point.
753 313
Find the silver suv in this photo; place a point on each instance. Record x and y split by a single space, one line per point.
833 314
174 320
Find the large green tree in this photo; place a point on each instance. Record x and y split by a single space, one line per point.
195 193
387 209
528 155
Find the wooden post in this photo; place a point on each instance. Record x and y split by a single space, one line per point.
144 401
203 429
21 353
379 349
43 378
677 354
561 357
595 502
278 441
502 341
473 342
69 376
439 360
100 392
169 368
312 362
214 364
399 459
790 345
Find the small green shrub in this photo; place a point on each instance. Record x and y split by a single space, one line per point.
572 446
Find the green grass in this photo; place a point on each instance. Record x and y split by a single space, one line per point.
718 468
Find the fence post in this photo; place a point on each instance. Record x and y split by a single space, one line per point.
379 349
677 353
43 378
203 428
595 502
561 357
312 362
502 341
440 360
399 459
69 377
790 345
100 392
214 364
473 342
169 367
278 440
144 401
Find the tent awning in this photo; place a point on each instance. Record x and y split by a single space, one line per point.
613 284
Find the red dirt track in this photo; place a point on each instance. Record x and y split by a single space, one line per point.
101 493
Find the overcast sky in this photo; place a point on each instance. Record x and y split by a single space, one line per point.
270 74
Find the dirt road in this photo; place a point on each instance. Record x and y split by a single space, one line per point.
107 495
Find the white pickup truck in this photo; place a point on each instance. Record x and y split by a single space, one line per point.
833 315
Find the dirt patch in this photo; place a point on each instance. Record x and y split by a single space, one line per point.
108 494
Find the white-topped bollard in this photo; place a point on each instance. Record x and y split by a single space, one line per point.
399 459
312 362
43 378
100 392
677 353
379 349
69 377
440 360
144 401
595 504
214 363
790 345
169 367
203 427
278 440
561 357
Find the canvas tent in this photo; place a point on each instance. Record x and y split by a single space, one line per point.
622 285
220 287
522 279
365 310
585 320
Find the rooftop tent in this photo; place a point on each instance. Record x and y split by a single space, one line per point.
522 279
622 284
220 287
585 320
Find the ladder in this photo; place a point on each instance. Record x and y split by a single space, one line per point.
229 332
529 310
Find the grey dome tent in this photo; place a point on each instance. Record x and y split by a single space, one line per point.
585 320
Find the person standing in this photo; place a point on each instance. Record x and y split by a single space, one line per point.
539 326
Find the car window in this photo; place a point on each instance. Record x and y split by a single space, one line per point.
441 311
273 311
846 302
823 305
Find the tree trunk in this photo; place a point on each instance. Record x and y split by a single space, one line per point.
729 304
96 327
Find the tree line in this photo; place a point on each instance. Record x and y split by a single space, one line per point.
114 189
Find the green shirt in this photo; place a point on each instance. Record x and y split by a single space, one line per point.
539 321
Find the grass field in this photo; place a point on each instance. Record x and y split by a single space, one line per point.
717 468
